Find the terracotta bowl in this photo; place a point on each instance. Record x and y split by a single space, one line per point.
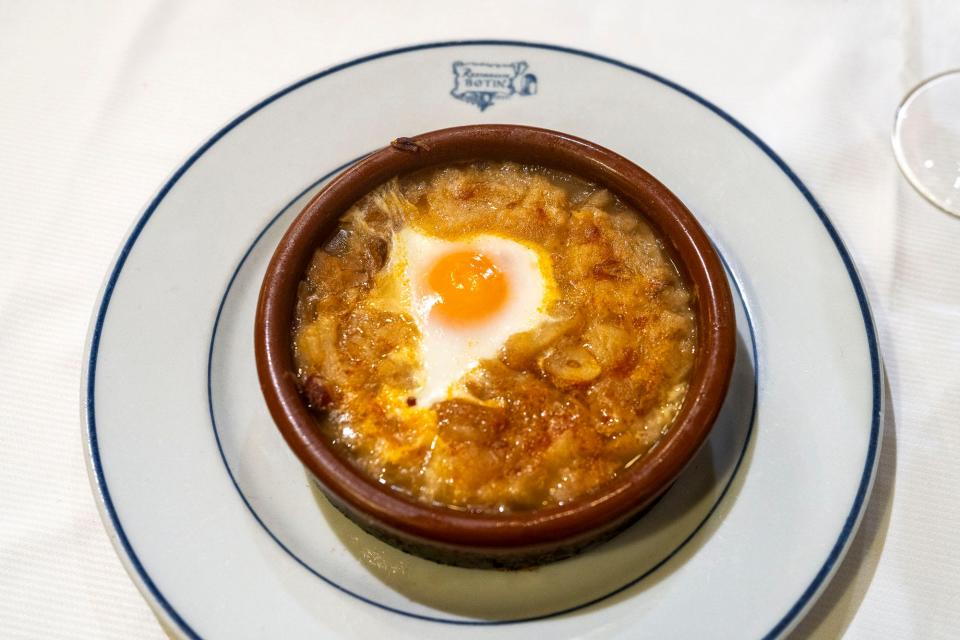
511 539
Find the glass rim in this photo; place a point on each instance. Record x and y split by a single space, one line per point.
905 169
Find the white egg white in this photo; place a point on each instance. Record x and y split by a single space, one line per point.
449 351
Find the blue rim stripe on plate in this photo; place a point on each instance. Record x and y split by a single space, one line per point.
454 621
870 464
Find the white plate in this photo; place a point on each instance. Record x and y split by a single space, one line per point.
218 524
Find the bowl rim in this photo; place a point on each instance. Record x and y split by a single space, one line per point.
612 502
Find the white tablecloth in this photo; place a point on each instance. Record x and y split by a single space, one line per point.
100 102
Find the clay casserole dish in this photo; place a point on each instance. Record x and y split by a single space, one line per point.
515 538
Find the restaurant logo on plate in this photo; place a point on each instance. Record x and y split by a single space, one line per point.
480 83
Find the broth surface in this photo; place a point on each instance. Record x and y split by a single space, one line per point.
555 410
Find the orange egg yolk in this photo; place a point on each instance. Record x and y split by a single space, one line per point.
469 285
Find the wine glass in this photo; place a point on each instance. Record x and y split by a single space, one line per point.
926 139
